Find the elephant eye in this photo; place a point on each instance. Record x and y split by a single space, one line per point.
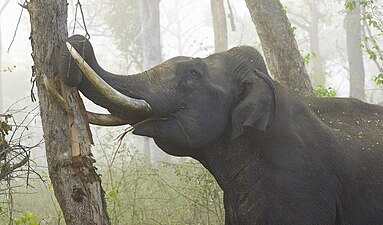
195 73
193 78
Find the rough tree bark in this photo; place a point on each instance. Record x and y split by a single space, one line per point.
279 45
219 25
76 184
352 24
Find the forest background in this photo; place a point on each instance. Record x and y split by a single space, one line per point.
142 184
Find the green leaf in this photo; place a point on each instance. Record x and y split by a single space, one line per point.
307 58
112 193
378 79
28 218
292 30
322 92
350 5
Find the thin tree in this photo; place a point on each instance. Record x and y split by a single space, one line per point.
311 26
150 33
181 33
352 24
219 25
76 184
279 45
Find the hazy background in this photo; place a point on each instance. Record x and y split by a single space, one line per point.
192 37
186 29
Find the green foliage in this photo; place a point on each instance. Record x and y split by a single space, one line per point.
284 9
168 193
111 193
378 79
28 218
322 92
141 192
292 30
350 5
308 57
370 13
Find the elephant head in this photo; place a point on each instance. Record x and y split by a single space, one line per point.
185 104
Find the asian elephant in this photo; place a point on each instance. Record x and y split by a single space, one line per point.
279 158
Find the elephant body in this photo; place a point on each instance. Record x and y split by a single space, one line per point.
280 159
322 164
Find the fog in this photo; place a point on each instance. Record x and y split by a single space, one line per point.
195 38
166 193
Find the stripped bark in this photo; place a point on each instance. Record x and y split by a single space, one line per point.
68 140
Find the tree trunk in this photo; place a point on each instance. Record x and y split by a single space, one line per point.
353 28
152 56
318 73
76 184
279 45
219 25
151 36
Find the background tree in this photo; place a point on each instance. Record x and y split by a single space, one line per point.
279 45
311 24
219 25
150 33
125 32
352 24
67 137
183 37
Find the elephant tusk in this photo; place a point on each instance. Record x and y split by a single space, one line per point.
108 91
105 119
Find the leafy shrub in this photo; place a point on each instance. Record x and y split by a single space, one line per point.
28 218
139 191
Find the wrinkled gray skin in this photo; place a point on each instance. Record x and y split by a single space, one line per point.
279 159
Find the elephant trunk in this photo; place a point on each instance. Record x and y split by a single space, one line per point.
119 94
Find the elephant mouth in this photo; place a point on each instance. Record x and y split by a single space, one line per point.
152 126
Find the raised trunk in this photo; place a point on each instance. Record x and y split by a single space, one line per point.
96 83
279 45
76 184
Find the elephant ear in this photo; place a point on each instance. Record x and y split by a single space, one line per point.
257 106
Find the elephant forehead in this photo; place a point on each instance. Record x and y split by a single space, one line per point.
160 76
